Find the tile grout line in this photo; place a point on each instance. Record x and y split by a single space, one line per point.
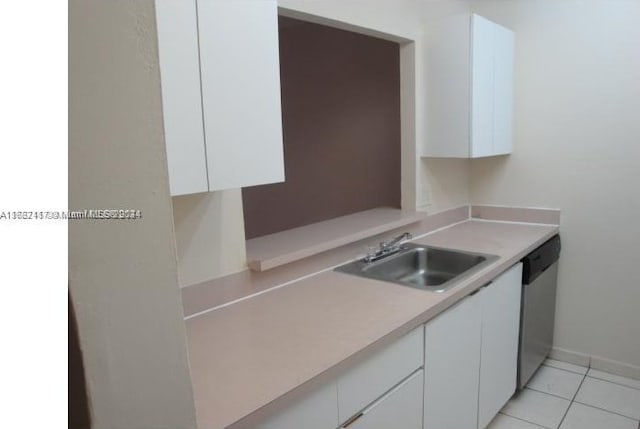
551 394
614 382
573 400
589 368
584 377
575 395
606 381
530 422
567 370
605 410
555 395
523 420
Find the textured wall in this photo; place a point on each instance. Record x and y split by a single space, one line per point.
122 274
576 148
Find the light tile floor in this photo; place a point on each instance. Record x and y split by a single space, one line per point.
565 396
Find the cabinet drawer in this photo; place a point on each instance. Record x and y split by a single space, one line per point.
371 378
315 410
400 408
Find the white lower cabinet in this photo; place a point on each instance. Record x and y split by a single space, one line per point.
399 408
471 355
452 362
456 372
384 390
315 410
371 378
500 303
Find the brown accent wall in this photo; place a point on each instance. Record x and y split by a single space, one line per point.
341 122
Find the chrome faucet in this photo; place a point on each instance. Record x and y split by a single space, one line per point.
387 248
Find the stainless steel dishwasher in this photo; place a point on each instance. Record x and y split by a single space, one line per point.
538 307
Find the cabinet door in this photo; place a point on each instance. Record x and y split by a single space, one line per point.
452 364
239 61
448 56
181 103
316 410
503 90
400 408
482 92
499 352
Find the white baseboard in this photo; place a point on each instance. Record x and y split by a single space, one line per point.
596 362
615 367
570 356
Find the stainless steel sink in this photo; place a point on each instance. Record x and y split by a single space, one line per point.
421 267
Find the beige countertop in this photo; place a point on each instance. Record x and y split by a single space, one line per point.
253 357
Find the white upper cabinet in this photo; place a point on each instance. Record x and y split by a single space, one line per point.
181 98
220 71
503 63
239 60
469 88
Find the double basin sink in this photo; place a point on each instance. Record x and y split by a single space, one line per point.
422 267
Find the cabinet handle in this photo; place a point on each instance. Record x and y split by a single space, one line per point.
352 420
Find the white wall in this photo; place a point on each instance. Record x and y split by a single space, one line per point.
209 237
122 274
577 147
397 17
444 184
